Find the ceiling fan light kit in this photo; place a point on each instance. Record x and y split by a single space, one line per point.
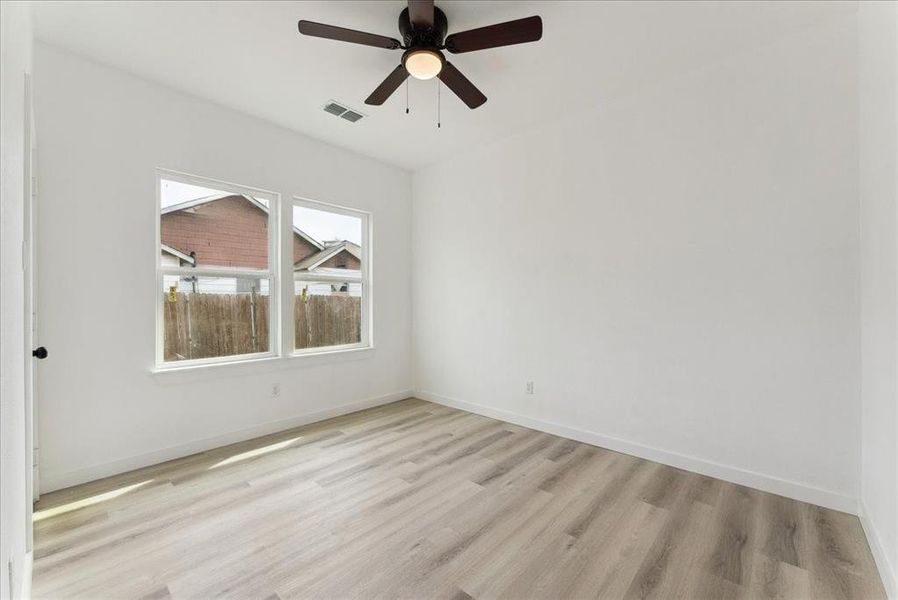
423 27
423 63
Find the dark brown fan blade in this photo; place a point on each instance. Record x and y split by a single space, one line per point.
342 34
389 85
459 84
420 13
493 36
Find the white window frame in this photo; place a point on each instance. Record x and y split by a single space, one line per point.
364 278
271 273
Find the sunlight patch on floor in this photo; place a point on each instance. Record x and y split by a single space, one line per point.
253 453
90 501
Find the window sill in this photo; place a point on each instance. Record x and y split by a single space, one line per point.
268 363
331 356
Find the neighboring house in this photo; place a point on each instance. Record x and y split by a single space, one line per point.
231 230
337 256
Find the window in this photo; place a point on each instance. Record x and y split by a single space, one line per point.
330 277
216 271
221 262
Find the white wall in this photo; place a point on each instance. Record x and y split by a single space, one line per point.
102 133
697 248
878 170
15 61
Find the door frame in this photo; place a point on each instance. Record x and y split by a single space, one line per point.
29 272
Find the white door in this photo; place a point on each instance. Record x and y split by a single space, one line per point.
29 264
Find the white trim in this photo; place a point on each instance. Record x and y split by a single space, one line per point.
322 350
272 361
180 365
55 480
288 289
27 575
177 253
159 350
218 184
767 483
235 272
315 276
330 207
886 570
30 391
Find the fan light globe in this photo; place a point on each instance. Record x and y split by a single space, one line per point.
423 64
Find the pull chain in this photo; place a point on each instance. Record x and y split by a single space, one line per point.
406 96
438 103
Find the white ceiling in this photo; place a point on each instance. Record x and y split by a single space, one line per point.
249 56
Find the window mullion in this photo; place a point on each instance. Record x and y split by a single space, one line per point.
216 272
328 278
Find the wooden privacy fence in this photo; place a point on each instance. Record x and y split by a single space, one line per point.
210 325
327 321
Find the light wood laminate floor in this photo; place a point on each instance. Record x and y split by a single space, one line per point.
416 500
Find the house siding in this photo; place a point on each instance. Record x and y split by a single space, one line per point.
230 232
302 248
233 232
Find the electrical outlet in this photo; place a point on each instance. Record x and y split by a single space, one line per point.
275 390
529 389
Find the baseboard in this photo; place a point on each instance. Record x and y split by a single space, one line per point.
766 483
886 569
27 574
51 481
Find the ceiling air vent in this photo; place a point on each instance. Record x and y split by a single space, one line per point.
334 108
339 110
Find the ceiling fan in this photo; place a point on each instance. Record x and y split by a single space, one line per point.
423 27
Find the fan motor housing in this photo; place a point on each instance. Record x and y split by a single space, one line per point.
423 38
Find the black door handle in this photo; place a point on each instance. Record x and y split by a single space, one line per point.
40 353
